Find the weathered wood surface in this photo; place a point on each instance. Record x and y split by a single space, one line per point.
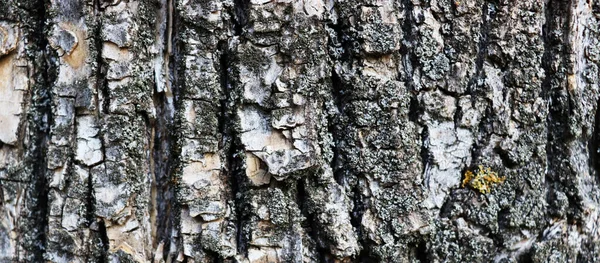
299 131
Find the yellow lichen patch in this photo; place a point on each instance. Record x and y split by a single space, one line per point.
483 180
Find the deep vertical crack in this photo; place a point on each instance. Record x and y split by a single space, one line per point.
340 51
230 144
101 83
40 119
162 161
488 11
105 242
177 80
410 61
594 143
554 87
227 125
241 9
163 141
310 223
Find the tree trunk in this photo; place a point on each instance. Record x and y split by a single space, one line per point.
299 131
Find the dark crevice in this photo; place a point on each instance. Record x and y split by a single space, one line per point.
487 14
230 143
333 125
594 146
421 252
458 113
340 42
104 239
366 255
101 107
546 93
241 12
90 217
162 155
507 161
556 37
227 127
426 156
162 162
101 83
415 110
40 121
526 257
310 224
485 130
338 94
238 189
357 211
411 61
340 51
177 78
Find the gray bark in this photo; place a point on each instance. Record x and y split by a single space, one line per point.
299 131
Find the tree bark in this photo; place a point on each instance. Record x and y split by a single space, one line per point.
299 131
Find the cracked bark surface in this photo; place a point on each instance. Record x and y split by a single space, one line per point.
299 131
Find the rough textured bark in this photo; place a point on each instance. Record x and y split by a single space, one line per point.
299 131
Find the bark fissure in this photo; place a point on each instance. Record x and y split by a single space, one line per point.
163 160
241 9
105 243
559 101
487 14
41 120
310 220
230 141
163 143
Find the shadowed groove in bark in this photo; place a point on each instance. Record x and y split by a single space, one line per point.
177 71
310 223
230 141
163 141
105 241
556 34
415 108
241 10
40 119
98 226
410 60
162 159
487 14
594 143
101 83
525 258
227 126
336 129
89 217
421 252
